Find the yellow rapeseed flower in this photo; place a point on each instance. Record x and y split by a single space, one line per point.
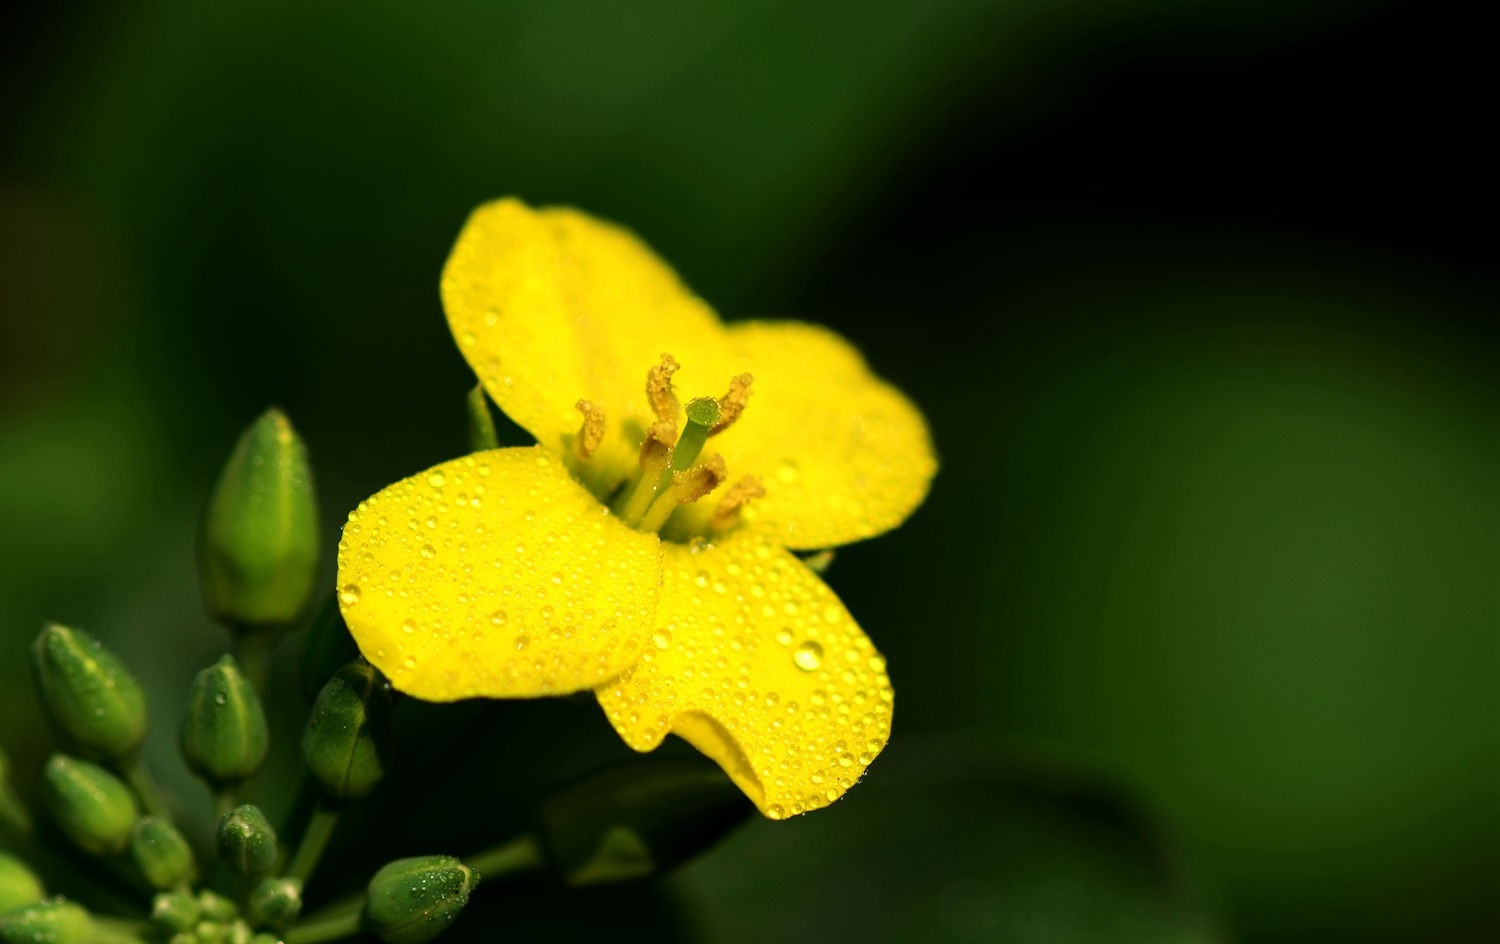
643 549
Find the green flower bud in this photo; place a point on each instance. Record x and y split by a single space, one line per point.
162 854
224 737
175 911
258 551
211 932
326 648
18 886
638 818
411 901
216 907
351 733
275 902
90 696
247 843
54 922
92 805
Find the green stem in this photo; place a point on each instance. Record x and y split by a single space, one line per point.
13 813
329 927
314 840
253 651
225 800
518 856
134 770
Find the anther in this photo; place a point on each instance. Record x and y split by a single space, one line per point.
591 433
656 449
727 514
659 390
733 403
701 479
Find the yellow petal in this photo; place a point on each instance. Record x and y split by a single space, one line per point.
552 306
495 575
757 664
842 455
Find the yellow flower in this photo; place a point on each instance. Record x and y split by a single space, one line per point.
642 549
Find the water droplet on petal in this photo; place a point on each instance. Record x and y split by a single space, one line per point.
808 656
437 480
349 595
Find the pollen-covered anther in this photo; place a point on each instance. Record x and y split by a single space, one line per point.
591 433
740 494
656 448
733 403
659 391
701 479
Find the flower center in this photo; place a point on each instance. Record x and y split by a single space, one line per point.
671 473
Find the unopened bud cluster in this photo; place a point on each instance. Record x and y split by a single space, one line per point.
258 562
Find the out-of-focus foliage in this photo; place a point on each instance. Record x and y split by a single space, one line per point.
1189 291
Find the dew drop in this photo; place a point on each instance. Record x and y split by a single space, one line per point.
408 626
808 656
787 472
437 480
349 595
784 637
428 551
409 662
661 639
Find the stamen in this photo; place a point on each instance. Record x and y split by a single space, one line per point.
727 514
656 449
591 433
686 487
659 390
733 403
701 479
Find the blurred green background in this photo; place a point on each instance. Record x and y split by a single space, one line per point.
1196 638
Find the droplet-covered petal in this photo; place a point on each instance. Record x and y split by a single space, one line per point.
549 306
495 575
756 662
841 454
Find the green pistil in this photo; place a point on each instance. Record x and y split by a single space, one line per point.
702 415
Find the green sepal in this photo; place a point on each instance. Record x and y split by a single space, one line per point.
638 818
275 902
258 548
350 736
175 911
223 736
411 901
326 648
92 699
92 806
482 433
162 854
19 886
58 921
247 843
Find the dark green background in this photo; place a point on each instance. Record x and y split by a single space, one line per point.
1196 638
